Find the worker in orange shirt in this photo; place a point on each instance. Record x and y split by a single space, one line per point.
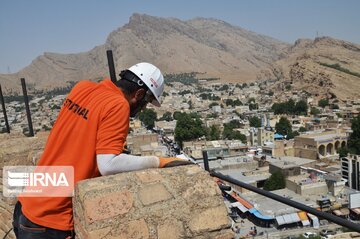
89 135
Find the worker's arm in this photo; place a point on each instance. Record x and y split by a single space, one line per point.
109 164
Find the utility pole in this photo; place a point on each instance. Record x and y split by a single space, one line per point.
26 100
4 111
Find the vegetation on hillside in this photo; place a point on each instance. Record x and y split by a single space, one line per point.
338 67
186 78
290 107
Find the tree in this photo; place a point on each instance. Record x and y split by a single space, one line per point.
190 104
292 134
323 102
301 107
166 116
255 122
148 117
354 139
283 127
314 111
343 152
188 128
335 107
230 133
253 106
302 129
290 107
213 104
214 133
176 115
276 181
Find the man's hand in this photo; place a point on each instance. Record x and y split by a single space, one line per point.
172 162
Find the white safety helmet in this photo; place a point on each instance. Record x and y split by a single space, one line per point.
152 77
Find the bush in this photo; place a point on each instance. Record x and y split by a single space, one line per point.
276 181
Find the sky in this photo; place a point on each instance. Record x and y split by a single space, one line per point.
28 28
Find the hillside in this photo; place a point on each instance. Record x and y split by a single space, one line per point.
322 67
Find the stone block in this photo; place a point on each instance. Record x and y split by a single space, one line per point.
107 206
171 229
149 177
204 220
153 193
168 203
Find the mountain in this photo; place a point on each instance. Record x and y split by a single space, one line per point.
209 46
322 67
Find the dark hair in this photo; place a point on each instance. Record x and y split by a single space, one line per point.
128 86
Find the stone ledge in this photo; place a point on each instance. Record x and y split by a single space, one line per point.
170 203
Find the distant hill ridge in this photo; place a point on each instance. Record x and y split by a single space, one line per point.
208 45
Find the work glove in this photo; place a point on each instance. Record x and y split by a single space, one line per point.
173 162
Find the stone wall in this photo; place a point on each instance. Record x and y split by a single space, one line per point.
179 202
16 149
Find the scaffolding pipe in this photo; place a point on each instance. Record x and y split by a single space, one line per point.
206 160
28 114
4 111
327 216
110 59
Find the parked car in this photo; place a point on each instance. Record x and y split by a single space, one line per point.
309 234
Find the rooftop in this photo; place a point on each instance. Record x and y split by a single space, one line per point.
239 174
271 207
289 161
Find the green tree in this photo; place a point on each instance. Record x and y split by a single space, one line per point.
343 152
230 133
190 104
302 129
290 106
335 107
148 117
323 102
166 116
354 139
283 127
176 115
255 122
314 111
213 104
276 181
301 107
214 133
188 128
253 106
292 135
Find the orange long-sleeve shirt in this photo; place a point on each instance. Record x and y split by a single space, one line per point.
94 119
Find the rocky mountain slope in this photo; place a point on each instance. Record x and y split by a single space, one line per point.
323 67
